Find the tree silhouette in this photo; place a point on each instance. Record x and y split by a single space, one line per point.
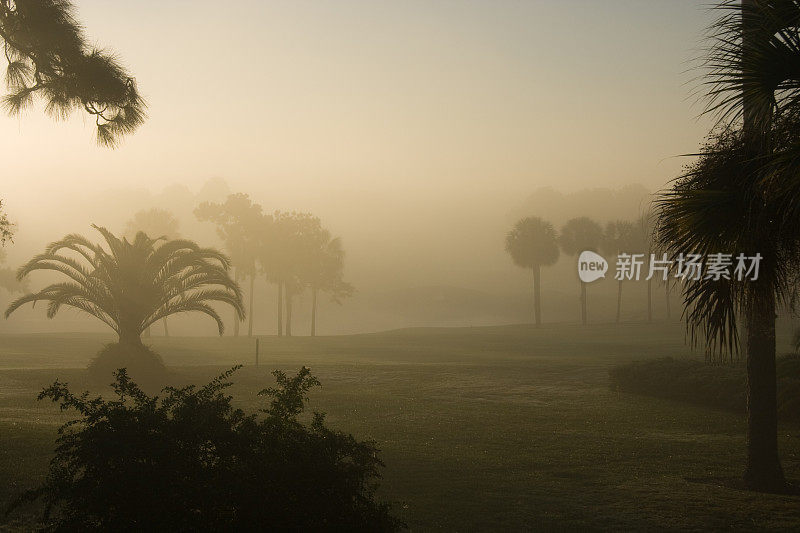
190 460
619 237
48 57
242 228
324 271
743 196
154 223
8 279
644 245
532 243
131 285
6 227
579 235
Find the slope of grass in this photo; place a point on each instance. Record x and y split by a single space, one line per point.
481 429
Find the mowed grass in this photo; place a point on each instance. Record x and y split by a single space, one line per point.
500 428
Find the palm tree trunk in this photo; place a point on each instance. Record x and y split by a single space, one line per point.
584 313
280 309
250 311
537 299
666 291
130 336
650 300
619 300
313 311
763 471
289 297
166 329
236 278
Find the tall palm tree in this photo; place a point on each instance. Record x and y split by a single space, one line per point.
284 256
131 285
241 226
533 243
643 244
752 82
325 272
579 235
154 223
619 237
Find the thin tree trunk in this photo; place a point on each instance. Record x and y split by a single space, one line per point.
537 298
763 471
669 307
236 278
250 312
313 311
584 313
650 300
166 329
289 297
280 308
619 300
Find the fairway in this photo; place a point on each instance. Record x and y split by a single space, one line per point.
503 428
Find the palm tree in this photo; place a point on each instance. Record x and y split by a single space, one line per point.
579 235
619 237
241 226
153 223
720 204
532 243
643 243
324 272
285 255
131 285
744 195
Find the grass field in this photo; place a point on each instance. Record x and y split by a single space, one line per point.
500 428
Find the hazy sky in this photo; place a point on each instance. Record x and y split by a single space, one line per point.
295 99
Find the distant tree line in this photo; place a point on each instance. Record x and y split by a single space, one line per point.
534 243
291 250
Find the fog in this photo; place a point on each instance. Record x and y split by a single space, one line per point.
418 134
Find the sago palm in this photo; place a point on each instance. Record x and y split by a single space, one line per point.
131 285
532 243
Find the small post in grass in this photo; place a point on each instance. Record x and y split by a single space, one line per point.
256 351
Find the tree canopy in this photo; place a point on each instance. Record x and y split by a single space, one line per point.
49 58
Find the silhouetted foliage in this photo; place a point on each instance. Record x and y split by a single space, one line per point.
133 284
190 461
48 57
141 363
243 229
6 227
751 83
533 243
579 235
155 223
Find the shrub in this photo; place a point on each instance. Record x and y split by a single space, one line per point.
191 462
141 364
718 386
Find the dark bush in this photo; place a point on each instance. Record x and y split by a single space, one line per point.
719 386
191 462
142 365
